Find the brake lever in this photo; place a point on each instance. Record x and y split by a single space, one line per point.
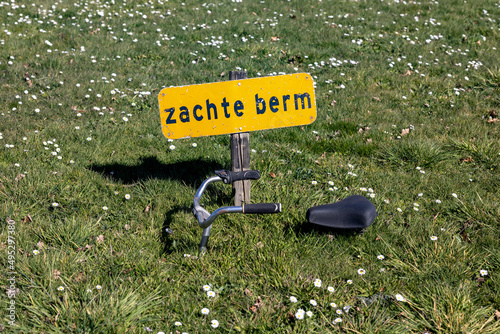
230 177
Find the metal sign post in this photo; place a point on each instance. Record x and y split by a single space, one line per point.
240 155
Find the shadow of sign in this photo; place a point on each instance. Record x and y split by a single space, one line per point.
191 172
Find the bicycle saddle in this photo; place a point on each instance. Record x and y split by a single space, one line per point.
352 213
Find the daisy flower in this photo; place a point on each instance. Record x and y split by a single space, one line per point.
317 283
331 289
60 288
178 323
483 272
361 271
434 238
36 252
214 323
293 299
336 321
207 288
313 302
380 257
400 298
205 311
98 287
333 305
309 314
210 294
127 196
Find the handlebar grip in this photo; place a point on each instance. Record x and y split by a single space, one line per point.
262 208
230 177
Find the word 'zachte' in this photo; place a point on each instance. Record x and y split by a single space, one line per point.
238 108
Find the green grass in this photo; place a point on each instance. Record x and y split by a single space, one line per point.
407 95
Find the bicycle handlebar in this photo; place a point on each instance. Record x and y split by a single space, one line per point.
205 218
262 208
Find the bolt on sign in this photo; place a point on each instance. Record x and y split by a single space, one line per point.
237 106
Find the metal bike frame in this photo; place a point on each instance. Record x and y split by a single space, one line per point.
205 219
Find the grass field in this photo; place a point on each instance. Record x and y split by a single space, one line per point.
97 234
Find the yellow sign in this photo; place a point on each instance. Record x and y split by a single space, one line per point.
237 106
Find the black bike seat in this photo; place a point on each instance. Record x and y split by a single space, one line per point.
352 213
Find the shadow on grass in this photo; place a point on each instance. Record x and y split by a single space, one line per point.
307 228
191 172
170 244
